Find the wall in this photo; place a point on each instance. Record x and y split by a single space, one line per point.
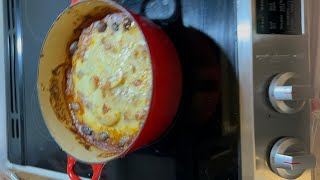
315 44
314 26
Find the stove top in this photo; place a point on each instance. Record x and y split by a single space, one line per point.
202 143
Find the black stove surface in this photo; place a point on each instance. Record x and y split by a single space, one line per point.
200 145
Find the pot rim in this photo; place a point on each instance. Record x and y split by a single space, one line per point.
129 14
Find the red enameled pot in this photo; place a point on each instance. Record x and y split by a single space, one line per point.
167 81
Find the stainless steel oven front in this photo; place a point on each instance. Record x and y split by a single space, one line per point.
274 89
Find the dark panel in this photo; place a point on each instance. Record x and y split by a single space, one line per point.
279 17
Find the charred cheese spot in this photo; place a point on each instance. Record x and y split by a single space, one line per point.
111 79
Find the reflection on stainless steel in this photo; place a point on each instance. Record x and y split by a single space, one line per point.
245 56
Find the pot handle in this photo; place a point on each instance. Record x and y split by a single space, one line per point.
97 169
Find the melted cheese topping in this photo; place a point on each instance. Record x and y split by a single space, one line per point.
111 80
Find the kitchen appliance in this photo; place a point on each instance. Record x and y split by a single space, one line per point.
275 83
255 45
199 145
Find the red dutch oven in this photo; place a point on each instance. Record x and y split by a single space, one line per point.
166 90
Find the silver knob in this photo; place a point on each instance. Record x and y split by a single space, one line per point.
286 97
289 159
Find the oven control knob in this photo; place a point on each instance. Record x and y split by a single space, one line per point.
286 97
289 158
